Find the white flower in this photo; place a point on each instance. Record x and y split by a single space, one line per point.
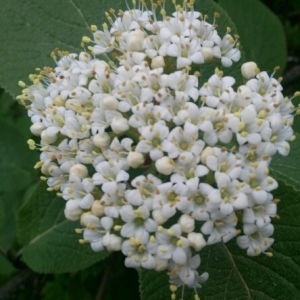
139 253
153 136
110 172
180 141
220 228
257 240
138 223
172 244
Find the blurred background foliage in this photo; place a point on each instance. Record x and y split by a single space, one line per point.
19 282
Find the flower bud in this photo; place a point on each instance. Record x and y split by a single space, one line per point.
187 223
249 69
97 208
165 165
101 64
101 140
37 128
158 217
85 57
135 40
197 240
79 170
119 125
157 62
207 53
113 242
110 103
205 153
135 159
89 220
47 137
160 264
72 210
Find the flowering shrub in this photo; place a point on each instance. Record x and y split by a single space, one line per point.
152 161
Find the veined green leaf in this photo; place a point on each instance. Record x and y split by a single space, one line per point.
261 33
50 242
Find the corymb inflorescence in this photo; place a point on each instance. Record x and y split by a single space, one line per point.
150 162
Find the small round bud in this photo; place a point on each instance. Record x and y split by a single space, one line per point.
135 40
59 101
85 57
158 217
97 208
187 223
197 240
79 170
160 264
113 242
207 53
165 165
101 140
205 153
135 159
157 62
89 220
249 69
37 128
48 138
101 64
119 125
110 103
72 210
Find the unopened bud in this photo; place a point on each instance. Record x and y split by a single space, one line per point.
110 103
187 223
119 125
135 159
101 140
197 240
157 62
97 208
135 40
79 170
165 165
83 56
249 69
37 128
208 151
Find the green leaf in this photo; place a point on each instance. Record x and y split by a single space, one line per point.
16 160
6 267
50 242
32 29
261 32
234 275
209 7
54 291
287 168
9 203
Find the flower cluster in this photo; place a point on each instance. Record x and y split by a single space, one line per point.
151 163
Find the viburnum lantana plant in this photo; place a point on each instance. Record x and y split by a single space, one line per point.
151 163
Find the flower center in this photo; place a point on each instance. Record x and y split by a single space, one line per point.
199 199
172 196
156 142
139 221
